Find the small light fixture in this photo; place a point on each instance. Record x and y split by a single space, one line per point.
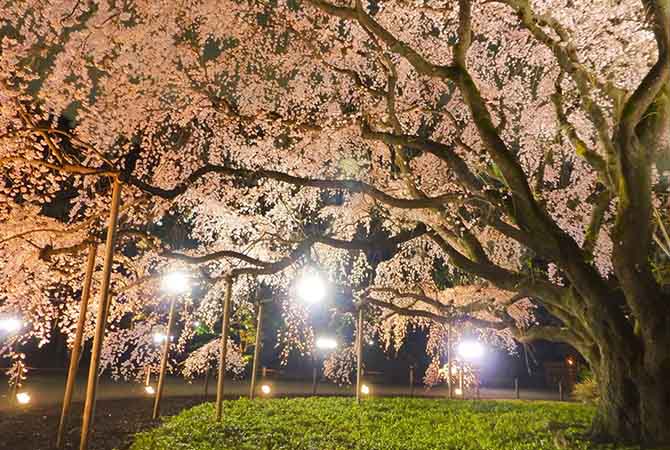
265 389
365 389
149 390
23 398
458 391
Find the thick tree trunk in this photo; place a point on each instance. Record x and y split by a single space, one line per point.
635 399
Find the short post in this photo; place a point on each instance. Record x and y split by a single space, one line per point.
17 381
560 390
225 321
164 359
101 319
411 381
207 383
264 372
314 374
76 345
449 374
460 381
516 388
257 350
147 380
359 354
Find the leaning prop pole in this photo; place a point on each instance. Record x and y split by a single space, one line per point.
101 319
359 354
224 347
257 350
164 358
77 344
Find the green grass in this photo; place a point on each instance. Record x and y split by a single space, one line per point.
378 424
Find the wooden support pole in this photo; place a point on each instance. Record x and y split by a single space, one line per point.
101 319
461 374
147 380
225 321
164 359
411 381
561 396
76 345
257 350
359 354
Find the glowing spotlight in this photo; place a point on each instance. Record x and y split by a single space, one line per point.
149 390
458 391
159 338
23 398
471 350
326 343
365 389
175 282
570 361
10 324
311 288
265 389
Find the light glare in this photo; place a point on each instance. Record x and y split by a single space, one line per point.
311 288
458 391
175 282
10 325
365 389
326 343
265 389
149 390
471 350
23 398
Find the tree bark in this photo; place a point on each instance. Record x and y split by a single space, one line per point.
634 396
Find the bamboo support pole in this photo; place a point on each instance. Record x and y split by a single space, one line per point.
101 319
164 359
76 345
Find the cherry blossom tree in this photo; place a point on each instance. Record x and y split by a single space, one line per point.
517 147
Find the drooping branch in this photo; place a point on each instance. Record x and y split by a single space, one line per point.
353 186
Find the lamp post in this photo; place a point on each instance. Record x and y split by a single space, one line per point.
174 283
472 351
323 344
359 354
225 321
257 347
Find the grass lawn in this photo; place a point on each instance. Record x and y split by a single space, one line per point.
378 424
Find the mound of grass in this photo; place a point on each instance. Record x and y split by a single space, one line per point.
377 424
